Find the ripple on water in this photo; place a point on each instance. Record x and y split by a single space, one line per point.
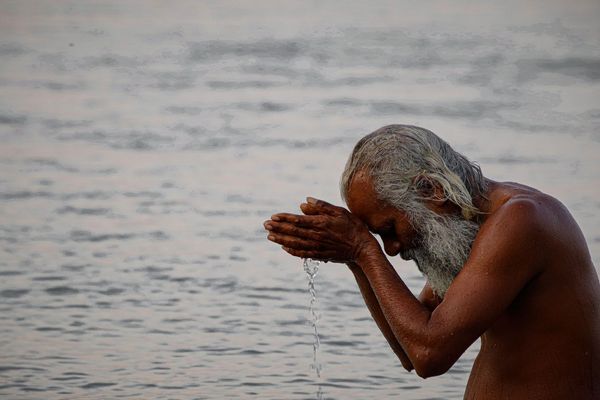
96 385
48 278
6 368
32 389
262 297
184 351
66 378
61 290
228 284
160 332
25 195
75 268
13 293
277 289
181 279
82 211
297 322
111 291
86 236
154 269
48 329
11 273
131 323
177 320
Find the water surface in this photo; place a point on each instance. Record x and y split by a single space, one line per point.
144 144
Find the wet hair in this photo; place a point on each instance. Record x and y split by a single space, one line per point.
405 162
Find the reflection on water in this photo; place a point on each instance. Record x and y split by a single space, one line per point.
143 146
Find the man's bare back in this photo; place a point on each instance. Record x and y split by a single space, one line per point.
547 342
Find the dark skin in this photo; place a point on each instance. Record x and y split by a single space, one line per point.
529 289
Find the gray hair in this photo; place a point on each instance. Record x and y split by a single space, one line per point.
404 160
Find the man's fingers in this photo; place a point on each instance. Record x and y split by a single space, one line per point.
292 230
294 242
304 221
315 206
309 209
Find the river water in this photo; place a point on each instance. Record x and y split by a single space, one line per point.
144 143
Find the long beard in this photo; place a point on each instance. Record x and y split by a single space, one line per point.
443 249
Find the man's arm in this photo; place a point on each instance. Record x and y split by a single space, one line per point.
377 314
501 263
427 298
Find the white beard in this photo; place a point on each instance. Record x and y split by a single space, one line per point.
444 247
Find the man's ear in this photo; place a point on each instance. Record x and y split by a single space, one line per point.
430 190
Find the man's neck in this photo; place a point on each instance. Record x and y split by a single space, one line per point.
485 203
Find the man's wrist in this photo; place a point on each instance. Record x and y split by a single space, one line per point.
367 252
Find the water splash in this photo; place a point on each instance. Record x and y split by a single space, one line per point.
311 267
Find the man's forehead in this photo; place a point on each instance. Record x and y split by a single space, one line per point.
361 182
362 197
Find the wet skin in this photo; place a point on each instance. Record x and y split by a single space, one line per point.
529 290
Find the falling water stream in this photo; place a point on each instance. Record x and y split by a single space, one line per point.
311 267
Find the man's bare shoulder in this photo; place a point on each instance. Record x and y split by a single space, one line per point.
527 208
533 225
524 224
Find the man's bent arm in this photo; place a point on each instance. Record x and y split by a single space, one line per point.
377 314
500 265
427 298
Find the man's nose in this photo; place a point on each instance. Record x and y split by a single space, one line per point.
391 246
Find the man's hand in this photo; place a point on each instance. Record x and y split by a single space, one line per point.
326 233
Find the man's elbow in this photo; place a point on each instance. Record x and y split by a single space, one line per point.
407 365
428 364
427 371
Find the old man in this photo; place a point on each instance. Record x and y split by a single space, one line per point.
504 262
